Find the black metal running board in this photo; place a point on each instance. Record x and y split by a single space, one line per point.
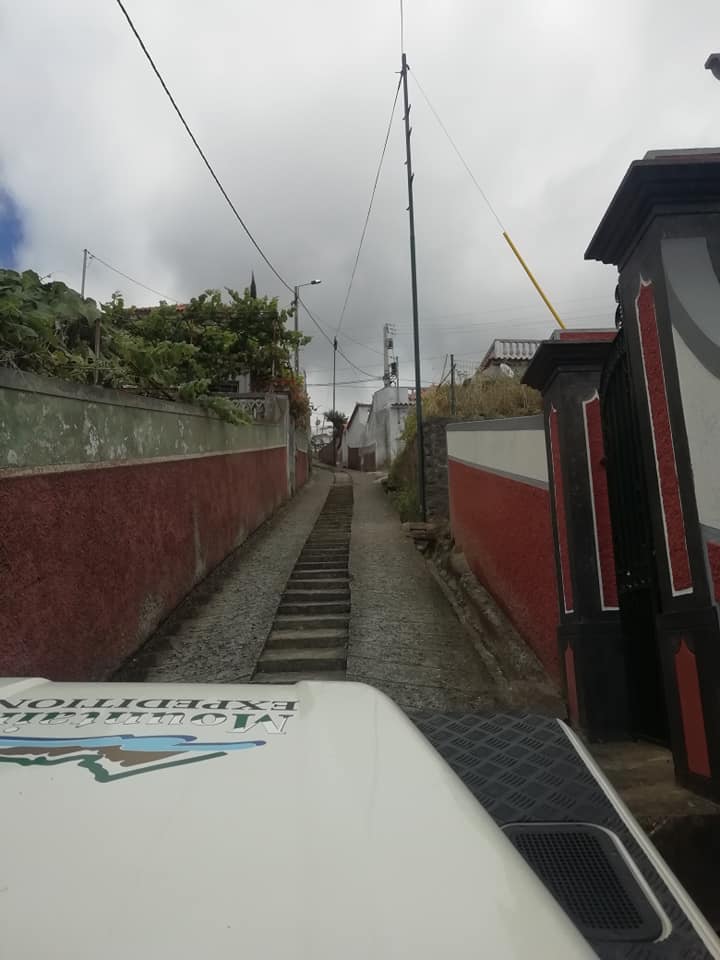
524 769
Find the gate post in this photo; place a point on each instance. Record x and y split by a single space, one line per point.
662 230
567 371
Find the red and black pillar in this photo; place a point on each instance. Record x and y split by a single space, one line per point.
567 371
662 230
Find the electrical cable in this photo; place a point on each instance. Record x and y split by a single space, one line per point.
457 151
94 256
200 150
443 367
365 373
365 346
370 206
215 177
222 189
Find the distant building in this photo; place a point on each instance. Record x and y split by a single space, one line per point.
372 435
513 355
354 435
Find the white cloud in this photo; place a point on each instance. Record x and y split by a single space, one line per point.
549 103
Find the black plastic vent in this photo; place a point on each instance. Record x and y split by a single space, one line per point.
582 867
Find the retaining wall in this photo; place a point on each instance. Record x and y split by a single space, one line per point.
302 459
112 507
500 518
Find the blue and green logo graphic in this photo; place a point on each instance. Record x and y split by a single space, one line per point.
116 757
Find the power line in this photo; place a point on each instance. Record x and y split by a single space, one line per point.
222 189
94 256
200 150
215 177
346 383
365 373
460 156
365 346
370 206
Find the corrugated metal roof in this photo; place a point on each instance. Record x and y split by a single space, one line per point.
518 350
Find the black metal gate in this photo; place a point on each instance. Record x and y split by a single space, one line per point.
635 565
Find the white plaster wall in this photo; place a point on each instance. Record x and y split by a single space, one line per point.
689 273
701 406
356 433
502 446
396 423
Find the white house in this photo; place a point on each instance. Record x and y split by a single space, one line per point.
354 435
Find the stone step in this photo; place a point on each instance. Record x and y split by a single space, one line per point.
324 557
315 607
315 564
331 573
306 658
293 595
322 637
296 677
340 543
322 554
329 583
318 622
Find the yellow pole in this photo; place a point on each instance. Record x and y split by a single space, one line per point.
534 282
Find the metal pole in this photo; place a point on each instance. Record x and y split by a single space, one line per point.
297 348
413 281
334 357
333 403
84 271
96 371
534 282
452 384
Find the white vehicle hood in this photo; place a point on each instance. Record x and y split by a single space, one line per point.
305 821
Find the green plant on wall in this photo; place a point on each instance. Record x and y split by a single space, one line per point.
45 328
184 352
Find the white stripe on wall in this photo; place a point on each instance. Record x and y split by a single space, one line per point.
511 451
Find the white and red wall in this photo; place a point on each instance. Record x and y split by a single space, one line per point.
501 519
112 507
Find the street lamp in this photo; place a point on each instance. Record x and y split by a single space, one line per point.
713 65
296 305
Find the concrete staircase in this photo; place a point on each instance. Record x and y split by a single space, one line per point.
309 637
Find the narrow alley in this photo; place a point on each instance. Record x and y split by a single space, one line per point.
313 595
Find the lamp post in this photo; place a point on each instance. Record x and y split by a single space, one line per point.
713 65
296 307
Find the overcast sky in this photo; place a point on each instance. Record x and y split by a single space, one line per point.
549 101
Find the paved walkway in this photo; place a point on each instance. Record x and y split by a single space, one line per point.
404 636
217 633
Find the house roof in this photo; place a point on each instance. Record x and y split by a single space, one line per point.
504 350
355 410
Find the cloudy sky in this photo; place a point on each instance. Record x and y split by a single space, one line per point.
549 101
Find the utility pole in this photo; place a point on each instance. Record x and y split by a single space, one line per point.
334 357
297 348
413 281
96 371
296 307
84 271
334 441
388 347
452 384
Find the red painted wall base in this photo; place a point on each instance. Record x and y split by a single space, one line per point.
503 527
92 560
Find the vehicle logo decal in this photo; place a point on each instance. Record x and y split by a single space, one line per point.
116 757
